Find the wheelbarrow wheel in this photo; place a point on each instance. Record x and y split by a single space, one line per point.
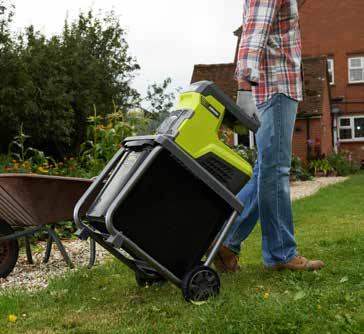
9 250
144 281
200 284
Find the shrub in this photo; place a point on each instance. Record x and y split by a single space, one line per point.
298 171
320 167
343 163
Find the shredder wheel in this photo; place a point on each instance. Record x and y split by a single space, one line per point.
200 284
144 281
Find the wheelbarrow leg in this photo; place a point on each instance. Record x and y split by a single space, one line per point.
60 246
28 250
48 249
92 258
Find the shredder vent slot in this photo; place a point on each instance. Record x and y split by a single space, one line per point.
221 171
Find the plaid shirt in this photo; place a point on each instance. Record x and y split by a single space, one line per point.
270 49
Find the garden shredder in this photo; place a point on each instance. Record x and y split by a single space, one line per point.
162 200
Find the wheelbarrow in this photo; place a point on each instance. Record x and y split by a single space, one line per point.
32 203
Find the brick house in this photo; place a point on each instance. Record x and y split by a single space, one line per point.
332 113
335 29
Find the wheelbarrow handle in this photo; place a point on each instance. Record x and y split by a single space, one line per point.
94 186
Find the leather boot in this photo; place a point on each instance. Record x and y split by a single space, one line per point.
300 263
226 260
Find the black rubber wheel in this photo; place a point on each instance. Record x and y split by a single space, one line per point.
9 250
143 280
200 284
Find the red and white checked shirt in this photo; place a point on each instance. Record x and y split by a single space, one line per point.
269 54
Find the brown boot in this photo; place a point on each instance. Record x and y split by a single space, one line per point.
226 260
300 263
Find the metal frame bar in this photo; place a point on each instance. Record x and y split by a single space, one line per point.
28 250
152 262
52 236
60 246
20 234
132 264
220 239
92 257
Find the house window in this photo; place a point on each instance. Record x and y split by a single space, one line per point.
330 65
351 128
356 69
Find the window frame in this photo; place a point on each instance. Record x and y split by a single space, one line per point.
351 127
331 65
361 57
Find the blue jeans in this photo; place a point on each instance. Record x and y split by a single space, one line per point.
267 194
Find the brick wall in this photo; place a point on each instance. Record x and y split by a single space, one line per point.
357 149
311 129
336 28
299 139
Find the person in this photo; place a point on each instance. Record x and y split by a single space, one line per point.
269 75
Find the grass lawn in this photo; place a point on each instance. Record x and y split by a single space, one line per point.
329 225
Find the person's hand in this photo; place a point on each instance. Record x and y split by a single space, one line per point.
245 101
244 85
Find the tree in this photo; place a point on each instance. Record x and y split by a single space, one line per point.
6 15
95 54
159 101
51 85
7 65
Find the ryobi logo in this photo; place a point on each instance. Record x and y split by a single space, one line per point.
209 107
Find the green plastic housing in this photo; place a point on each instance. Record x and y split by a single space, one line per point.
195 126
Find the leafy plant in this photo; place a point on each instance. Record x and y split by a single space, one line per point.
249 154
298 171
21 153
105 135
342 163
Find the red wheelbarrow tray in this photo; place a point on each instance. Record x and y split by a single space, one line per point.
34 200
30 202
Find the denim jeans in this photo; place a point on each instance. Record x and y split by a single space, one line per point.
267 195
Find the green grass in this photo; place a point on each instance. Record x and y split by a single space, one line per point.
329 225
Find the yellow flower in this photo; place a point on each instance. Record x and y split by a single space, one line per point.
12 318
266 295
43 170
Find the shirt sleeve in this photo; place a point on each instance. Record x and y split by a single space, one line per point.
258 20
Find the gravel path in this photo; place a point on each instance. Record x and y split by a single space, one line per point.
36 276
301 189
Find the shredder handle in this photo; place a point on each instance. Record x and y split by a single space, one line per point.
209 88
94 185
